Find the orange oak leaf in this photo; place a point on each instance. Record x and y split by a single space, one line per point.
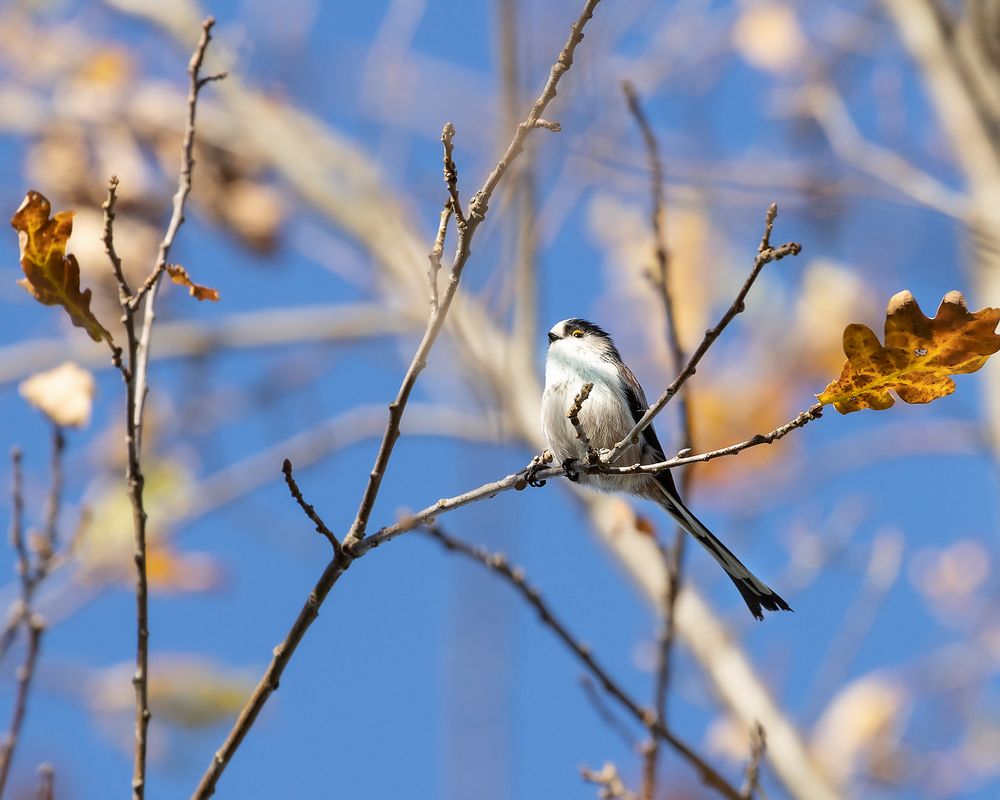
918 357
180 276
50 275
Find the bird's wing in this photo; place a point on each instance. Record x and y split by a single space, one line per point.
637 404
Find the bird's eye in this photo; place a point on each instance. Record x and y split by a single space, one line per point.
577 334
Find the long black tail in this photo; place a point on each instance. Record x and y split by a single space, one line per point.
755 592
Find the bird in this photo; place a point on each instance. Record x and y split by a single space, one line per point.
580 352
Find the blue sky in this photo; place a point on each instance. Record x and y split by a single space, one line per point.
424 677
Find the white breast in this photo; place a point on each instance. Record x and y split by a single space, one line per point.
605 417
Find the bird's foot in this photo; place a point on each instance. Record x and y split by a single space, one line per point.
537 464
569 464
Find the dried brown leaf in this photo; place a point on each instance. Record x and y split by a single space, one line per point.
180 276
51 276
918 357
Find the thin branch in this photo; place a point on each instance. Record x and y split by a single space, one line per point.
514 576
195 85
611 783
46 782
356 536
17 520
268 684
607 716
308 508
124 290
53 504
765 255
815 411
32 622
758 744
134 373
518 480
451 173
573 415
434 257
36 627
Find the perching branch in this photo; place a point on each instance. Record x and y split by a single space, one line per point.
765 255
356 536
758 744
134 373
815 411
514 576
519 480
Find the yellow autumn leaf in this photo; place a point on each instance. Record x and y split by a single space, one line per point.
64 394
180 276
50 275
918 357
171 570
185 690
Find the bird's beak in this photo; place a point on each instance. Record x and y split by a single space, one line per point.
553 337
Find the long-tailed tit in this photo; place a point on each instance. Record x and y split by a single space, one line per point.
580 353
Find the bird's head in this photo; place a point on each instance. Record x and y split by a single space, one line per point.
577 340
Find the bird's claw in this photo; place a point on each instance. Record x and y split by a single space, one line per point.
568 464
538 463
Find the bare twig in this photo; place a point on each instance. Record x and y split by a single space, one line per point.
356 536
308 508
611 783
29 576
451 173
573 414
134 373
765 255
124 291
434 257
55 499
148 289
514 576
758 744
607 716
17 518
36 627
815 411
46 782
